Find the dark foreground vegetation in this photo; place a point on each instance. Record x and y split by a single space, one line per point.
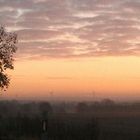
103 120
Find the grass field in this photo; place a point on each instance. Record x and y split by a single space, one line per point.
102 124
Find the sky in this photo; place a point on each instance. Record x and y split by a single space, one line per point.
74 49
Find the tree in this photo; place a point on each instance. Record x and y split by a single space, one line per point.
107 102
45 108
8 47
82 107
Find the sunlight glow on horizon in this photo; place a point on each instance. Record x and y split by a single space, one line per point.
108 76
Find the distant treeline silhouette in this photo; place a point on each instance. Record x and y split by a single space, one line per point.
39 109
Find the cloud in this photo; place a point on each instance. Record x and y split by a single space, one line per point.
37 34
59 78
73 28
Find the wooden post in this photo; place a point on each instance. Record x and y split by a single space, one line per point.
44 125
44 128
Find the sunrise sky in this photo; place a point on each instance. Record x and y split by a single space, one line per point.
74 49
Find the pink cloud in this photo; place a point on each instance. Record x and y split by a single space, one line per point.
57 28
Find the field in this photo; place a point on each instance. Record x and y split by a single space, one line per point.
103 124
119 126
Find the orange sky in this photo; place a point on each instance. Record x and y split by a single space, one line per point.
115 77
74 48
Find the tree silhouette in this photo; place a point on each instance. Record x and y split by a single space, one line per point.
82 107
8 47
45 108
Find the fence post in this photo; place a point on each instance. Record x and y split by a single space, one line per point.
44 129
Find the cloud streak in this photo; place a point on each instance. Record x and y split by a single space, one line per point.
73 28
